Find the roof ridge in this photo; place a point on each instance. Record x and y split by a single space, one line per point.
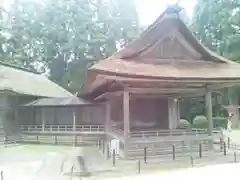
138 46
18 67
169 11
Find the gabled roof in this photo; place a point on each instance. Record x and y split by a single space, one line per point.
22 81
167 49
168 21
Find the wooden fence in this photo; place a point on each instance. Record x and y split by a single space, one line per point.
63 128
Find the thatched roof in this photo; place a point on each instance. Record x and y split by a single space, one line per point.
22 81
166 50
59 102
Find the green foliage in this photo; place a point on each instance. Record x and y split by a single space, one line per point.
192 107
184 124
63 38
198 119
200 122
216 24
219 122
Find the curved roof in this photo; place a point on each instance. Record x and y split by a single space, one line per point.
166 50
21 81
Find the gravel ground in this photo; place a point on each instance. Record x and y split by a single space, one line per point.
30 162
220 172
44 163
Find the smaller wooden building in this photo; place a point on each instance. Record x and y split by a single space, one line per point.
64 115
19 86
143 81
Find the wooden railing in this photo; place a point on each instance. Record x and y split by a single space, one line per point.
162 133
62 128
174 132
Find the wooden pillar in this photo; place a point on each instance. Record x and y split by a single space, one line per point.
126 119
108 117
74 119
173 119
16 113
55 120
233 102
208 104
43 119
34 116
178 111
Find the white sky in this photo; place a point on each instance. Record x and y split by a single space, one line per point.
149 10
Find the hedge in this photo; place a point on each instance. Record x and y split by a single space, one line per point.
201 122
183 124
219 122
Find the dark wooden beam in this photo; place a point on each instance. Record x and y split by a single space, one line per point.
163 90
108 95
221 86
171 80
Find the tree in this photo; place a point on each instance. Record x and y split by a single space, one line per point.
62 38
216 24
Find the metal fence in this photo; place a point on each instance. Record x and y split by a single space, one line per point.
222 153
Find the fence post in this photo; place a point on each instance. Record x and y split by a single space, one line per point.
103 146
224 148
71 174
1 175
200 150
37 137
139 166
107 151
145 155
183 145
5 141
114 157
174 152
221 144
99 143
228 142
55 139
191 158
75 140
235 157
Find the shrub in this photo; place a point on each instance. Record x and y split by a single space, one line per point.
200 122
198 119
183 124
219 122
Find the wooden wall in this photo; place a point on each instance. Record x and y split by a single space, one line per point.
88 115
153 112
8 113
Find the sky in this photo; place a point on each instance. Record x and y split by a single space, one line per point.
149 10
